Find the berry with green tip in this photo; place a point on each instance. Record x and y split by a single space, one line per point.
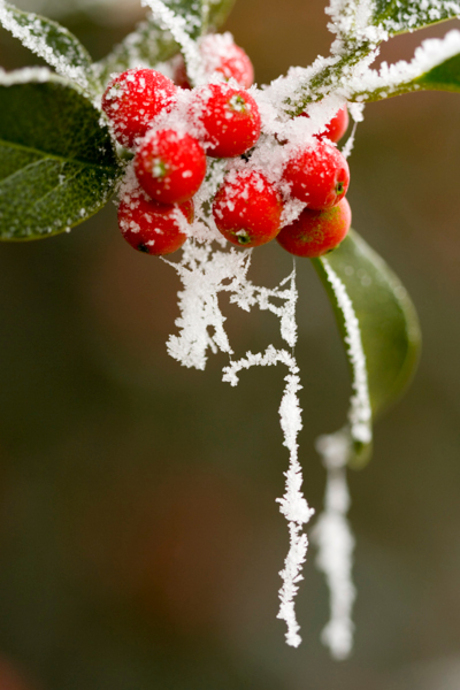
316 233
170 166
229 119
247 209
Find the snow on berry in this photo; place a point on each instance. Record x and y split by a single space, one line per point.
317 174
336 127
170 166
229 117
153 228
133 99
316 233
222 59
247 209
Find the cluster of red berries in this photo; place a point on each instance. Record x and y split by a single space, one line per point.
222 120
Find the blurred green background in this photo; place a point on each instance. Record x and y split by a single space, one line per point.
140 541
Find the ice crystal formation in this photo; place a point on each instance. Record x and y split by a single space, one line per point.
208 267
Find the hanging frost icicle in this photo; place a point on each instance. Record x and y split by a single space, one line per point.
293 505
204 275
332 532
335 541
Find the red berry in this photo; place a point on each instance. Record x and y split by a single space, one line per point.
229 117
336 128
315 233
220 54
318 174
151 227
133 99
247 209
170 166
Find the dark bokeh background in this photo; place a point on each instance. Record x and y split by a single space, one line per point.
139 536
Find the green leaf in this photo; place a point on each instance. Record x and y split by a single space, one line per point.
57 164
444 77
52 42
388 328
402 16
185 19
418 75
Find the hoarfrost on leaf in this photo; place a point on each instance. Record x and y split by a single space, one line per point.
52 42
360 413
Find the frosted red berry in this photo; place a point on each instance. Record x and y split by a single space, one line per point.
317 174
220 55
316 233
132 99
229 119
153 228
336 128
170 166
247 209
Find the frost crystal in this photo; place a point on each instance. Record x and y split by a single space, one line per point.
335 543
293 505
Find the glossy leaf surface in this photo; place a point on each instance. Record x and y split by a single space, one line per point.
58 167
388 323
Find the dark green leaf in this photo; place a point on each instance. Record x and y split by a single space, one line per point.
185 19
57 164
52 42
444 77
390 333
401 16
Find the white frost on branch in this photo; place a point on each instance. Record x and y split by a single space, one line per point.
293 505
204 275
335 542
